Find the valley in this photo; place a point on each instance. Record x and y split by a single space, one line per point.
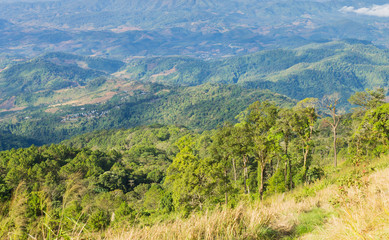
200 119
63 94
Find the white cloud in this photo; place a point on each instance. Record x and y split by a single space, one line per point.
375 10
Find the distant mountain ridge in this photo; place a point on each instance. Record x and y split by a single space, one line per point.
122 29
311 71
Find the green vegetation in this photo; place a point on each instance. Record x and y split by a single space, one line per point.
125 179
53 71
199 108
311 71
65 186
57 96
9 141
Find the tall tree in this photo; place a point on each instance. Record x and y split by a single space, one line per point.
285 127
329 105
242 147
190 176
303 121
372 135
222 151
262 119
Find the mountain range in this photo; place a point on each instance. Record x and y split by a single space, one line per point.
208 29
58 95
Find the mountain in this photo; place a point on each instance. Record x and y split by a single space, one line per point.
201 28
309 71
53 71
40 75
57 96
98 64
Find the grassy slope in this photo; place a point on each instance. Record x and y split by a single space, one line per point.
324 210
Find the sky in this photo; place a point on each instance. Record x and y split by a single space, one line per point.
374 10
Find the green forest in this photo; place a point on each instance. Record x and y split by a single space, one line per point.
199 108
119 179
57 96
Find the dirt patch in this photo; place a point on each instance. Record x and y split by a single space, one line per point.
13 109
8 104
162 91
87 100
122 74
52 110
106 97
3 69
128 86
82 64
164 73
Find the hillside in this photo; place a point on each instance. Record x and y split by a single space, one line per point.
328 209
53 71
313 70
310 71
194 119
269 177
59 95
199 108
9 141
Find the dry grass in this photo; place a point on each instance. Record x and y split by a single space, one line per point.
363 212
355 213
274 218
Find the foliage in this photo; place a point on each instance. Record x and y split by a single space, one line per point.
109 178
199 108
66 95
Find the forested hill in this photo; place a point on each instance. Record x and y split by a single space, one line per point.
312 70
198 107
53 71
8 141
57 96
126 183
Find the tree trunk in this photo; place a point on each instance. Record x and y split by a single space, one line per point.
245 174
288 166
286 174
225 186
290 173
234 168
305 162
262 178
335 156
